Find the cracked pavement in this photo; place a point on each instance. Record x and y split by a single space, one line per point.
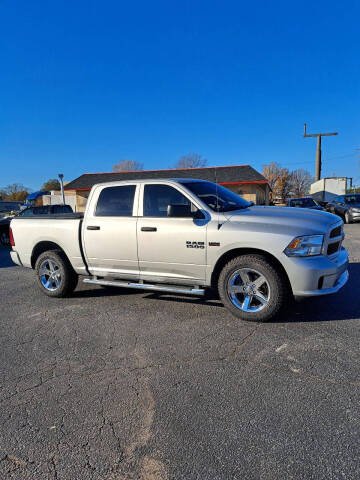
114 384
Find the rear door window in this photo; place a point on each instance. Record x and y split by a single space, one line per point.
116 201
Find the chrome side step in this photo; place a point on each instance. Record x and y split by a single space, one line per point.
147 286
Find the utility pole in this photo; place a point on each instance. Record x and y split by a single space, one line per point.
318 149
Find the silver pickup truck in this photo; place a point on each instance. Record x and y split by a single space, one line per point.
185 236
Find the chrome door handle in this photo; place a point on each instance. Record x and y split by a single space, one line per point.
148 229
92 227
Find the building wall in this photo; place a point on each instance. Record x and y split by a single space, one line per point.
56 199
252 192
81 199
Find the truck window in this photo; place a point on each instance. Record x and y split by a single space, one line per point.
158 197
62 209
27 212
116 201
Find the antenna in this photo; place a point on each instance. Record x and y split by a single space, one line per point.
217 200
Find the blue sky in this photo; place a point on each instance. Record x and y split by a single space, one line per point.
85 84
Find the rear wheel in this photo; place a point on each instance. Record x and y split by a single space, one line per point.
253 289
54 274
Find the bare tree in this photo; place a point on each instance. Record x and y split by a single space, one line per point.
283 186
128 166
191 160
272 173
284 183
16 191
301 181
279 179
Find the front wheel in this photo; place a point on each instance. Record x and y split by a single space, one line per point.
252 288
54 274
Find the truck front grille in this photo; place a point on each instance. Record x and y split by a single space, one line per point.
335 232
333 248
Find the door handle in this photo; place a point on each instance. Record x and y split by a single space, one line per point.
148 229
92 227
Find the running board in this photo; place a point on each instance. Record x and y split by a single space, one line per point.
147 286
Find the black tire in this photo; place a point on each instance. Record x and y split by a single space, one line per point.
278 290
67 279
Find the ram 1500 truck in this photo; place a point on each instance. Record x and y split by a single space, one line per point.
185 236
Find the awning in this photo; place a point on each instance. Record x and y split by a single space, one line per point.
35 195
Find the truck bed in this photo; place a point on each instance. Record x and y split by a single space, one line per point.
53 216
62 230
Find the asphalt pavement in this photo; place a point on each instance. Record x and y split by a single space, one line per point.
110 384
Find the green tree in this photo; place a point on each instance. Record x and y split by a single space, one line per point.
52 184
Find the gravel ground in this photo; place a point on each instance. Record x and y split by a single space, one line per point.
123 385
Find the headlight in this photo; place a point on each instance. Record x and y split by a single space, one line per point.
306 246
355 210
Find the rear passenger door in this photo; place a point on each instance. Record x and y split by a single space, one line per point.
109 232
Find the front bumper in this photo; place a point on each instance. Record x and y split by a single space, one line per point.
355 216
320 275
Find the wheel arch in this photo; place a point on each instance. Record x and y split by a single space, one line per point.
236 252
42 247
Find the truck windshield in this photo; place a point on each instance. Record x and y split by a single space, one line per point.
216 197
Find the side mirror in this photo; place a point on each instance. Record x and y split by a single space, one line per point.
184 211
179 210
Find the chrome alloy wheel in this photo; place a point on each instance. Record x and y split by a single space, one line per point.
50 275
248 290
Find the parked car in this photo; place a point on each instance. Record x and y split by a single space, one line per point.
304 202
346 206
185 236
46 210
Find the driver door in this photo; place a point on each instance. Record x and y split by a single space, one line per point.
169 249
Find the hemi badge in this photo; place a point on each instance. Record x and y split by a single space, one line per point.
214 244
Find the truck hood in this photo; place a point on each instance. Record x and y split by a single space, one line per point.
302 220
